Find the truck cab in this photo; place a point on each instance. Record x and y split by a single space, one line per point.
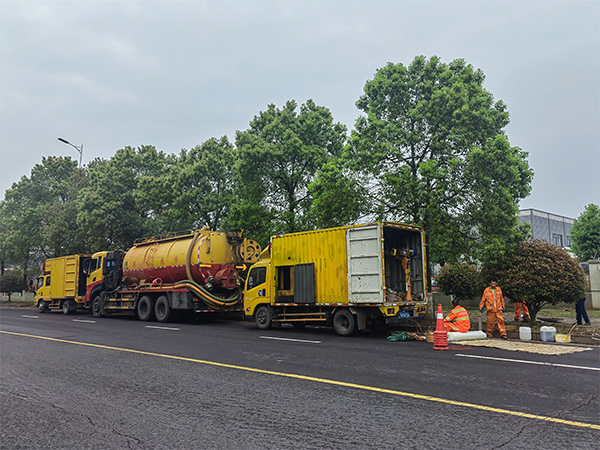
104 273
258 291
42 292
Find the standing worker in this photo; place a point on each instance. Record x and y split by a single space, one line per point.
458 319
581 312
493 301
518 311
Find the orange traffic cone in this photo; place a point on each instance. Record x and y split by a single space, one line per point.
440 336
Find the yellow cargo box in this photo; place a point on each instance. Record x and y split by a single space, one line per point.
375 272
62 279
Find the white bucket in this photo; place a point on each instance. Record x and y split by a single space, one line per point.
547 334
525 333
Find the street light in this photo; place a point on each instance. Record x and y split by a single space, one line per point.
79 149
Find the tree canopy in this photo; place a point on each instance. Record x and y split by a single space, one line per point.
38 214
585 234
279 156
429 149
120 203
432 140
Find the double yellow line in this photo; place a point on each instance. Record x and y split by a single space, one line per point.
324 381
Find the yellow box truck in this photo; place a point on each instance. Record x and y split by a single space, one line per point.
351 278
62 284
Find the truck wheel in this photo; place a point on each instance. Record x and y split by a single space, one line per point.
67 307
145 308
42 306
162 310
97 306
344 322
263 317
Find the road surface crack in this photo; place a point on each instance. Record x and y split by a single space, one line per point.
514 437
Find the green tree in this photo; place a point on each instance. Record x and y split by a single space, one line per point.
499 176
10 282
541 273
338 197
461 280
202 185
124 200
38 214
432 140
279 157
585 234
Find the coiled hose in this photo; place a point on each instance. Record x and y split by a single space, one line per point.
208 298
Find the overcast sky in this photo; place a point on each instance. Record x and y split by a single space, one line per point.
110 74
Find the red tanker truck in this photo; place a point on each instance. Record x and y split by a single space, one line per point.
161 275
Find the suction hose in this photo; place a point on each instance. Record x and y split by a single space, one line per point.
188 257
207 297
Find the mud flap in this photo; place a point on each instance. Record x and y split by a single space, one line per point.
361 318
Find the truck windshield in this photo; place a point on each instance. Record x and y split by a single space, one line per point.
257 277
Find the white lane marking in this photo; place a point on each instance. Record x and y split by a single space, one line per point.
163 328
291 340
30 317
84 321
530 362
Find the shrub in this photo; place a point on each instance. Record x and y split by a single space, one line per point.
461 280
541 274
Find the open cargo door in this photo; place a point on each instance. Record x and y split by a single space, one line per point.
365 278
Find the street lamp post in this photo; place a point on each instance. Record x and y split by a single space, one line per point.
78 148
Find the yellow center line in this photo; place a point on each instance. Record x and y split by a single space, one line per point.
323 381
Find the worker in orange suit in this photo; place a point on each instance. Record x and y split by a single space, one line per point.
493 301
518 311
458 319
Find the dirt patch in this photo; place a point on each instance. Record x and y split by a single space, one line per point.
529 347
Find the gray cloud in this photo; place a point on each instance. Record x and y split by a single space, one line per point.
172 74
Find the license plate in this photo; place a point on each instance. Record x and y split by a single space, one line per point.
404 315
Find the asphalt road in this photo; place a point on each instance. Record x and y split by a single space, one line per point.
80 382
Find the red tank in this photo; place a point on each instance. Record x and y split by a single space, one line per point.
208 258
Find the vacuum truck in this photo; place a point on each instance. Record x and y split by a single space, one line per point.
162 275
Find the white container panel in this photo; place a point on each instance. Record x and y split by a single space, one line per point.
365 269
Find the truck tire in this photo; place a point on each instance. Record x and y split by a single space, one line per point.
162 309
97 306
69 306
263 317
145 308
344 322
42 307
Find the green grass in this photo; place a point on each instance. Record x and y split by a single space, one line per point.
566 310
561 310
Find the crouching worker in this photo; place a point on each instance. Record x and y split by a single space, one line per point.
458 319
